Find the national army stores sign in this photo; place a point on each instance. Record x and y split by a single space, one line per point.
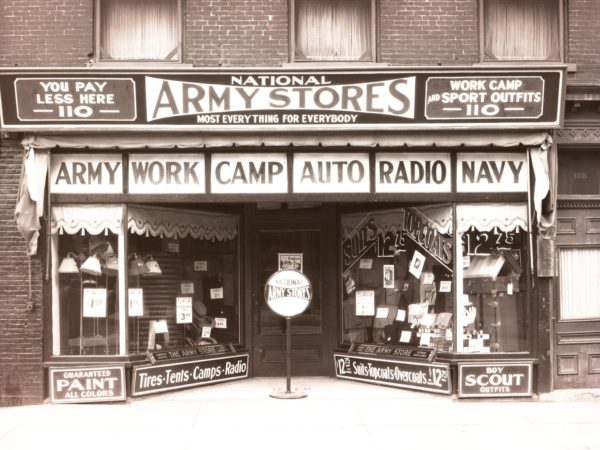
281 100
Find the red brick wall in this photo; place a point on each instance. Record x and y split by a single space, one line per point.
236 32
415 32
21 373
583 17
45 33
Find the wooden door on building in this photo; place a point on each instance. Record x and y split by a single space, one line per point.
577 308
292 235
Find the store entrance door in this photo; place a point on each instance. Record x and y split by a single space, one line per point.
304 240
577 310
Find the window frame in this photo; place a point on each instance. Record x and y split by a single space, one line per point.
97 58
292 39
512 60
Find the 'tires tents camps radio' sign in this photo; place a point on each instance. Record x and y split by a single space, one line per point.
281 100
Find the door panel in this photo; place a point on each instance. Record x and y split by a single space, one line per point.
313 331
577 310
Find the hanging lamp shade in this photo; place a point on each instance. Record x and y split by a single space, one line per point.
68 265
153 267
91 266
112 265
137 266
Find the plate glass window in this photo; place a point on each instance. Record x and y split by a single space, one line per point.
139 30
521 30
333 30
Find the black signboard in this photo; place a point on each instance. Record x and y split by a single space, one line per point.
87 384
495 379
420 376
189 352
151 379
34 99
394 350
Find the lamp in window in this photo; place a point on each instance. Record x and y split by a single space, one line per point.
137 266
68 264
91 266
153 267
112 265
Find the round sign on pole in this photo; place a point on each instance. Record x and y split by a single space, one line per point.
288 292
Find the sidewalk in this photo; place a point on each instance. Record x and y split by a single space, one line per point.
337 414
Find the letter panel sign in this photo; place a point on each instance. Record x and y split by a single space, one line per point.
166 173
249 173
492 172
495 379
85 173
201 100
331 173
412 172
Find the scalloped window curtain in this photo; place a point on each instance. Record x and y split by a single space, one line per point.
139 30
333 30
522 29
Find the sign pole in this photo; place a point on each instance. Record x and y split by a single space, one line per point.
288 393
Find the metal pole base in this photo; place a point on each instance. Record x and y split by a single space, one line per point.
288 394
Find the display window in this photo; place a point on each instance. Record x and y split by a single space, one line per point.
493 311
397 277
133 278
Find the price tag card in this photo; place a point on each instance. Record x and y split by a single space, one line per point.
366 264
216 293
382 313
220 322
446 286
184 309
401 315
428 278
173 247
136 302
160 326
94 302
365 303
466 261
200 266
187 288
509 289
425 340
206 332
405 336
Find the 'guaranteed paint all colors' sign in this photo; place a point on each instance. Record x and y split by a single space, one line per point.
87 384
390 99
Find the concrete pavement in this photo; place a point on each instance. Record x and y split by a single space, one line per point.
336 414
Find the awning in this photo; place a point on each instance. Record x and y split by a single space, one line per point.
314 139
485 217
179 223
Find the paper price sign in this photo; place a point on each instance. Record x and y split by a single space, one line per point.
365 303
136 302
184 309
200 266
445 286
94 302
220 322
216 293
206 332
187 288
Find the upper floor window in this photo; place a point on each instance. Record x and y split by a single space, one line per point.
522 30
333 30
139 30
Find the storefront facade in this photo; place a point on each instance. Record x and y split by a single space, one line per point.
411 199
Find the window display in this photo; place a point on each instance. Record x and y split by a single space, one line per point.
493 311
182 279
397 277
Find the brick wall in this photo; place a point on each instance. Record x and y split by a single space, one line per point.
416 32
236 32
21 373
46 33
584 40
